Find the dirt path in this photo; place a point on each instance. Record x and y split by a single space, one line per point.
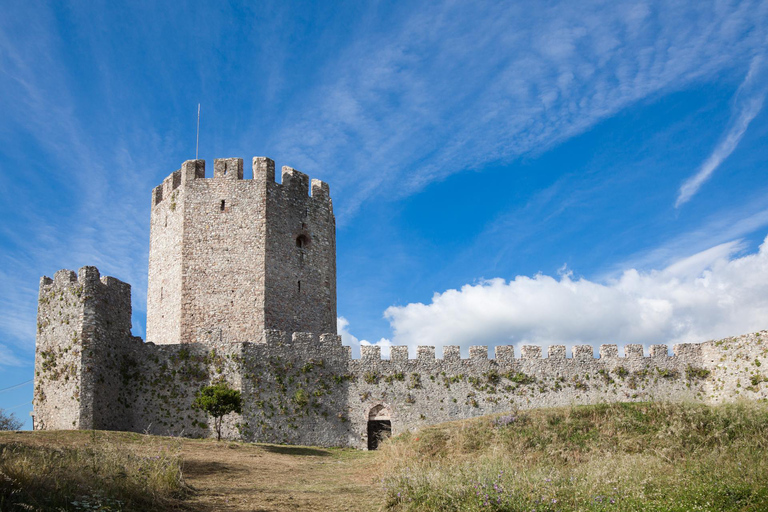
243 477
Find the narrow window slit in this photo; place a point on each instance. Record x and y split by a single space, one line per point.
299 286
222 205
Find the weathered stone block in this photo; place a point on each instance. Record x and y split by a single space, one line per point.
556 352
530 352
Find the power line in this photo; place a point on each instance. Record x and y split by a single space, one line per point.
17 406
17 385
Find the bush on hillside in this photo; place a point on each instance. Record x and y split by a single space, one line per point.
9 421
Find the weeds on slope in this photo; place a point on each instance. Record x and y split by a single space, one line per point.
102 475
623 457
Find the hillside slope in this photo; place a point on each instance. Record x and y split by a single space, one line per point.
624 457
639 456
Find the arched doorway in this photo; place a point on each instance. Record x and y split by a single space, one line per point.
379 426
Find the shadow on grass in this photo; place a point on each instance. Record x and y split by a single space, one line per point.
199 468
296 450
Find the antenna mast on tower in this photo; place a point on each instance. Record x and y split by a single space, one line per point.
197 143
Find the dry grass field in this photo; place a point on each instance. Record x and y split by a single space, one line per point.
620 457
124 471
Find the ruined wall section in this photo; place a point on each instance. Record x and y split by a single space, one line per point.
302 388
159 384
738 368
300 255
426 390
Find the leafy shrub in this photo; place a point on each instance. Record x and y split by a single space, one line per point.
218 400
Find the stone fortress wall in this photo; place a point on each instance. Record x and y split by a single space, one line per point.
302 387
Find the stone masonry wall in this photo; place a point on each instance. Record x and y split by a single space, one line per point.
239 256
80 318
300 255
166 229
241 271
59 353
295 390
304 388
426 390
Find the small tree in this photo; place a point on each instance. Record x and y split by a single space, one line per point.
218 400
9 421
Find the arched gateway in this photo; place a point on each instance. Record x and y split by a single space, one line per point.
379 426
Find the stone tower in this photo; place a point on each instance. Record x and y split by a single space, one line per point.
231 257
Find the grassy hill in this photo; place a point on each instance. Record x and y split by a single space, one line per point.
623 457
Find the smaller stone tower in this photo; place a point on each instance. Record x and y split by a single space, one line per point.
82 319
230 257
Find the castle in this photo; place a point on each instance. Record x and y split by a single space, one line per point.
242 289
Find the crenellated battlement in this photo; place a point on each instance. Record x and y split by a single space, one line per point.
277 338
87 279
528 352
293 182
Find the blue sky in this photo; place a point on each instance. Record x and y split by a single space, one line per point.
543 172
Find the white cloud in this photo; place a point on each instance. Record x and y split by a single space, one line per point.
710 295
347 338
748 103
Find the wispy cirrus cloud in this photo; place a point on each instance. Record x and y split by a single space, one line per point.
746 105
456 86
80 201
7 358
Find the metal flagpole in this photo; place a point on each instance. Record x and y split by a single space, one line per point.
197 143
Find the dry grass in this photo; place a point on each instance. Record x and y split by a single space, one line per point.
92 473
210 476
607 457
627 457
